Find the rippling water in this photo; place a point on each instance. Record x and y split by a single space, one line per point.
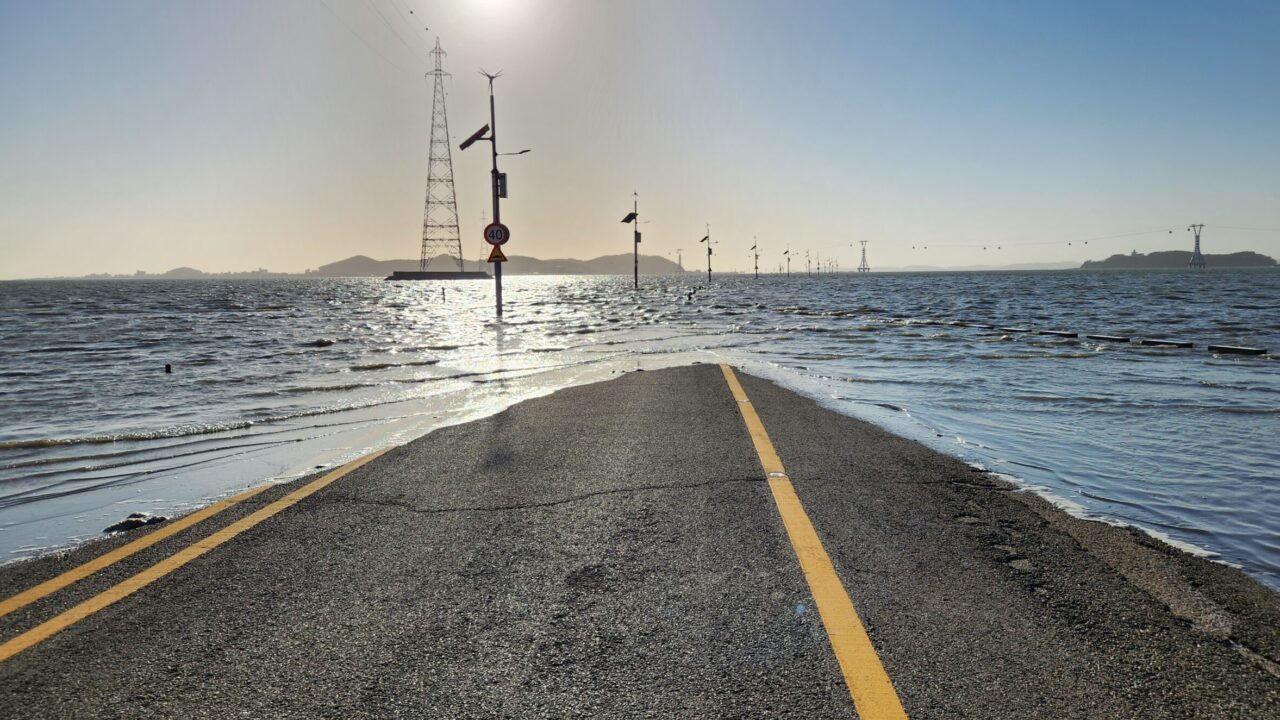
274 378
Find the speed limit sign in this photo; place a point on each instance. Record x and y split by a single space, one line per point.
496 234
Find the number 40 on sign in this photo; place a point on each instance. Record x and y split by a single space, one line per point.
496 234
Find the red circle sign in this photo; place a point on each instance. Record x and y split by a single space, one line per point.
496 234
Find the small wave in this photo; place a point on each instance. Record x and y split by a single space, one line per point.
817 356
384 366
1058 398
795 310
66 348
1224 386
174 432
303 389
1030 465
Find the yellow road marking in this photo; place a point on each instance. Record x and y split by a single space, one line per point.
45 630
48 587
869 685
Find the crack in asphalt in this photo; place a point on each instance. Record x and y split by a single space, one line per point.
403 505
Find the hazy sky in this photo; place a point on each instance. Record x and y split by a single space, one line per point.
237 134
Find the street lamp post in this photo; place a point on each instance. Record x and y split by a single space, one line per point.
498 180
497 211
707 240
635 245
634 218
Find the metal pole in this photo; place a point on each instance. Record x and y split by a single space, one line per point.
708 254
497 216
635 239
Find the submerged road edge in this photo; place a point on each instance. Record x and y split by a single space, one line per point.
869 685
80 572
118 592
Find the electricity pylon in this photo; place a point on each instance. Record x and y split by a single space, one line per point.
1197 260
440 216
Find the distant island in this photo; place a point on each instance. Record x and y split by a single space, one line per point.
363 266
1180 259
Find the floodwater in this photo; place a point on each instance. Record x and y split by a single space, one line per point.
273 379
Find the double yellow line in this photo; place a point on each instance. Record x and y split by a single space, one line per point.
869 685
61 622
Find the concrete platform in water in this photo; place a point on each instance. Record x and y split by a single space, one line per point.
441 275
683 543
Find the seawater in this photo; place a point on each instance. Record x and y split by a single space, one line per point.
273 379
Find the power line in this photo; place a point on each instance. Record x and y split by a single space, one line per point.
1247 229
365 42
1082 241
400 9
372 5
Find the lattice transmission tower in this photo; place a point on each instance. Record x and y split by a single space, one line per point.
863 266
1197 260
440 217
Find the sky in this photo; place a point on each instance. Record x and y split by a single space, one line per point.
233 135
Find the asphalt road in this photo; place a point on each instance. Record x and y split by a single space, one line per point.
613 550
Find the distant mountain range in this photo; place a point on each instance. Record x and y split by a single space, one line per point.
1177 259
362 266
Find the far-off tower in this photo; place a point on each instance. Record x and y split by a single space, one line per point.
1197 260
863 266
440 233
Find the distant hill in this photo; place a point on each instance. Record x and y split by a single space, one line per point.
363 266
183 273
1177 259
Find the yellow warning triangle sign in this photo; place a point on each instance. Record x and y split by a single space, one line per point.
496 255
